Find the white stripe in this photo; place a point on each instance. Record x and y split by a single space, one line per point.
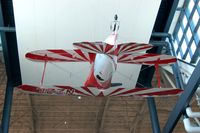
130 57
154 58
51 54
127 47
135 48
121 46
94 90
97 44
87 55
75 55
111 50
86 49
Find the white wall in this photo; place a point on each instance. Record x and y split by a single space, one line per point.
45 24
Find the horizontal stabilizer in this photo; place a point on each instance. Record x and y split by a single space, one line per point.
60 55
91 91
146 59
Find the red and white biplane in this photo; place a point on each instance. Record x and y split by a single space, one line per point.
103 57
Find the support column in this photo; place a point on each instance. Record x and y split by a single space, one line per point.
11 58
148 74
7 108
153 115
183 100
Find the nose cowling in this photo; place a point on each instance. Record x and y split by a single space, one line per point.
103 68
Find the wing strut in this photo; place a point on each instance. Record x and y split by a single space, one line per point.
157 73
44 70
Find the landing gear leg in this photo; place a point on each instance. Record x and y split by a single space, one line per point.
43 73
158 74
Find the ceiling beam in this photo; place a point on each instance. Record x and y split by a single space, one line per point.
101 115
7 108
139 117
166 77
7 29
30 102
153 115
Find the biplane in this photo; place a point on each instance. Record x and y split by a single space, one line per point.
103 58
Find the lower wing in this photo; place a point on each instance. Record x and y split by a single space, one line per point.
60 55
91 91
146 59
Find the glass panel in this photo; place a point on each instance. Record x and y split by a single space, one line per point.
195 17
191 5
188 59
193 47
180 34
189 34
197 36
184 46
184 21
199 4
179 55
175 46
0 43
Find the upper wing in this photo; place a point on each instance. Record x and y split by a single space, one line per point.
146 59
102 47
132 47
59 55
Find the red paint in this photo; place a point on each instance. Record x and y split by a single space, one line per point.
92 82
123 56
100 94
115 91
84 46
29 88
94 45
88 90
144 56
163 93
108 47
60 52
132 91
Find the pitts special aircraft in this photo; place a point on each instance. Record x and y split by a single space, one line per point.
103 57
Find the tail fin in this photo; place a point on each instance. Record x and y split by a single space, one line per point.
111 39
114 27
